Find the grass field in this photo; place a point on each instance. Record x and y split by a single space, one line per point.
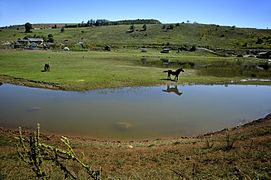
92 70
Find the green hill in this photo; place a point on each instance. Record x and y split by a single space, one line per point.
155 36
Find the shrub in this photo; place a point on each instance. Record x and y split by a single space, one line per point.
170 26
50 39
36 154
144 27
244 45
193 48
132 28
229 142
107 48
259 41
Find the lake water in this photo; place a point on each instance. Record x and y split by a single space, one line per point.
134 113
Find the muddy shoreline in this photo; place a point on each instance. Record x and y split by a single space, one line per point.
29 83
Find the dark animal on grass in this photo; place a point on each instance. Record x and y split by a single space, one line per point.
174 73
46 67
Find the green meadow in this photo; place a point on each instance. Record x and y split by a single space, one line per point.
92 70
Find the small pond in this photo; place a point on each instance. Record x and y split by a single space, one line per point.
134 113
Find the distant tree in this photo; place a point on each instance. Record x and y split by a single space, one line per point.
132 28
62 30
54 27
164 26
50 38
144 27
88 23
28 27
178 24
92 22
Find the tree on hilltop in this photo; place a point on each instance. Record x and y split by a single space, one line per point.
132 28
28 27
144 27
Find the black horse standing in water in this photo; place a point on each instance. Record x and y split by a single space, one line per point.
174 73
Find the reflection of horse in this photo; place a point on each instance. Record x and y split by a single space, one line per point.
173 89
175 73
1 84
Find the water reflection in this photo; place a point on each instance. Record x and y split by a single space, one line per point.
123 126
173 89
33 109
1 84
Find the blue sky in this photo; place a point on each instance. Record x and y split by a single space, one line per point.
241 13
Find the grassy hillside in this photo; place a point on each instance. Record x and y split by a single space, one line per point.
156 35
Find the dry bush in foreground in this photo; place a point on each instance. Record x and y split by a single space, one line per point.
36 154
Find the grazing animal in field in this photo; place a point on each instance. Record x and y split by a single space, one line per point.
47 67
174 73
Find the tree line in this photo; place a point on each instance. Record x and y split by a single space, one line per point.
105 22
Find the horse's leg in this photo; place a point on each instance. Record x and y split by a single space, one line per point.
168 75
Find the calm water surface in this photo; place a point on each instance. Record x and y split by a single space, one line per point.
134 113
